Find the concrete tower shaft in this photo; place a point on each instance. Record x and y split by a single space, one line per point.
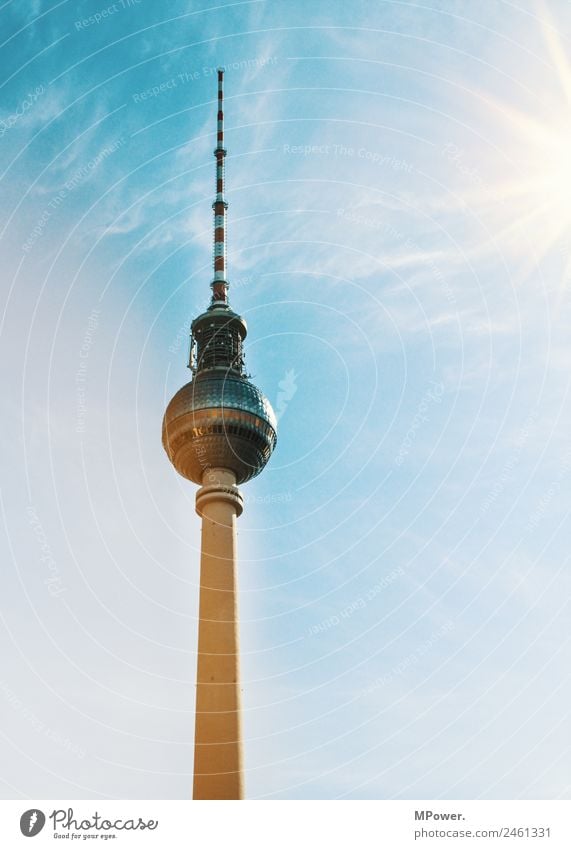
218 759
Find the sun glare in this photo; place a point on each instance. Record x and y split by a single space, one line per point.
531 209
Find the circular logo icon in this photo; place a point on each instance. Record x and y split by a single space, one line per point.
32 822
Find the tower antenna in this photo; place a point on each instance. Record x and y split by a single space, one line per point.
219 283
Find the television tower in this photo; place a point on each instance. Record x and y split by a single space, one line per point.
218 431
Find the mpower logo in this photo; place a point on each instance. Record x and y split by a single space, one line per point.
66 824
32 822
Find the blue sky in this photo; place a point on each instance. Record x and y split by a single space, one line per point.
399 243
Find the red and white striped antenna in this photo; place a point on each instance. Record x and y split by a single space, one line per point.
219 283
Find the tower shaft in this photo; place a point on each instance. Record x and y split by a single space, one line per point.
218 764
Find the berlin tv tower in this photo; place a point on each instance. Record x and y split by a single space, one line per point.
218 431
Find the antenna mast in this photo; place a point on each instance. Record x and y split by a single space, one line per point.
219 283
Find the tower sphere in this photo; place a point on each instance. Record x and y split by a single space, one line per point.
219 420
